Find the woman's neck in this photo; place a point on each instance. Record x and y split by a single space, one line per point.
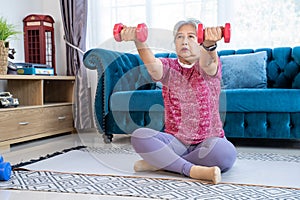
185 64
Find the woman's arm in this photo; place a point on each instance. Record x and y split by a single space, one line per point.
153 65
209 59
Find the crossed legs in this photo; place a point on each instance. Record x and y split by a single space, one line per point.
163 151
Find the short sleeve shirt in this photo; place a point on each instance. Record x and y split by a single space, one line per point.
191 100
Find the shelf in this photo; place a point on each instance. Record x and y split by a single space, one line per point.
35 77
39 90
55 93
40 106
46 104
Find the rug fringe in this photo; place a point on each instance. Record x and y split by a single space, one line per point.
19 165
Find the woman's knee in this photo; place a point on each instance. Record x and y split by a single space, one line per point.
142 133
225 154
142 136
217 152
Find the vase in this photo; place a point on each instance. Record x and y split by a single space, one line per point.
3 58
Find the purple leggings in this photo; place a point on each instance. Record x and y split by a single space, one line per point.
165 151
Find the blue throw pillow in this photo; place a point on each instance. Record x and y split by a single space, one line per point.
244 70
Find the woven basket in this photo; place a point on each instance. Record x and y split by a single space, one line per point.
3 58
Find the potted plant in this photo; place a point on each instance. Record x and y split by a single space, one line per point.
6 31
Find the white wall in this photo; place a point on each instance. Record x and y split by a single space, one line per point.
15 11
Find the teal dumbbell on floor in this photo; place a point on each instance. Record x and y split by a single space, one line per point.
5 170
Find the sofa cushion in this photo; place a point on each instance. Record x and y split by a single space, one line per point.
244 70
284 67
260 100
139 100
231 100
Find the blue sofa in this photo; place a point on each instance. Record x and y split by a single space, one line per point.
127 98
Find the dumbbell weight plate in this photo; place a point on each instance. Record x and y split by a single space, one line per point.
200 33
226 33
117 32
142 32
5 171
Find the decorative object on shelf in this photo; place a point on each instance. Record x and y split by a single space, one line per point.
34 69
7 100
11 67
39 45
3 57
6 31
11 53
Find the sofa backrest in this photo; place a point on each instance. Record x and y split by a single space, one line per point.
283 65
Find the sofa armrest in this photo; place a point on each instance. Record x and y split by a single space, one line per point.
116 72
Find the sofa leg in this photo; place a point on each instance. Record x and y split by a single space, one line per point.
107 138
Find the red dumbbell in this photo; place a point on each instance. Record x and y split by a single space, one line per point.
225 33
141 32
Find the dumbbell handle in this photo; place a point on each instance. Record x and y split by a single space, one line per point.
226 33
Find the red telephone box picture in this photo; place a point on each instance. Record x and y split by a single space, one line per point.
39 44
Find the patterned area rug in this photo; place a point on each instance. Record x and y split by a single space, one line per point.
140 187
146 187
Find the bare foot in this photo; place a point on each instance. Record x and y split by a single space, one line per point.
142 166
206 173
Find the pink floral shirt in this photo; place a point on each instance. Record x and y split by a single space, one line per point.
191 100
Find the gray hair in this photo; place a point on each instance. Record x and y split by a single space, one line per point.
191 21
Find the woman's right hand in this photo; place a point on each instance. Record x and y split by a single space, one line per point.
128 33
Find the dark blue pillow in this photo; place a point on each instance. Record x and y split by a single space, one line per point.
244 70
